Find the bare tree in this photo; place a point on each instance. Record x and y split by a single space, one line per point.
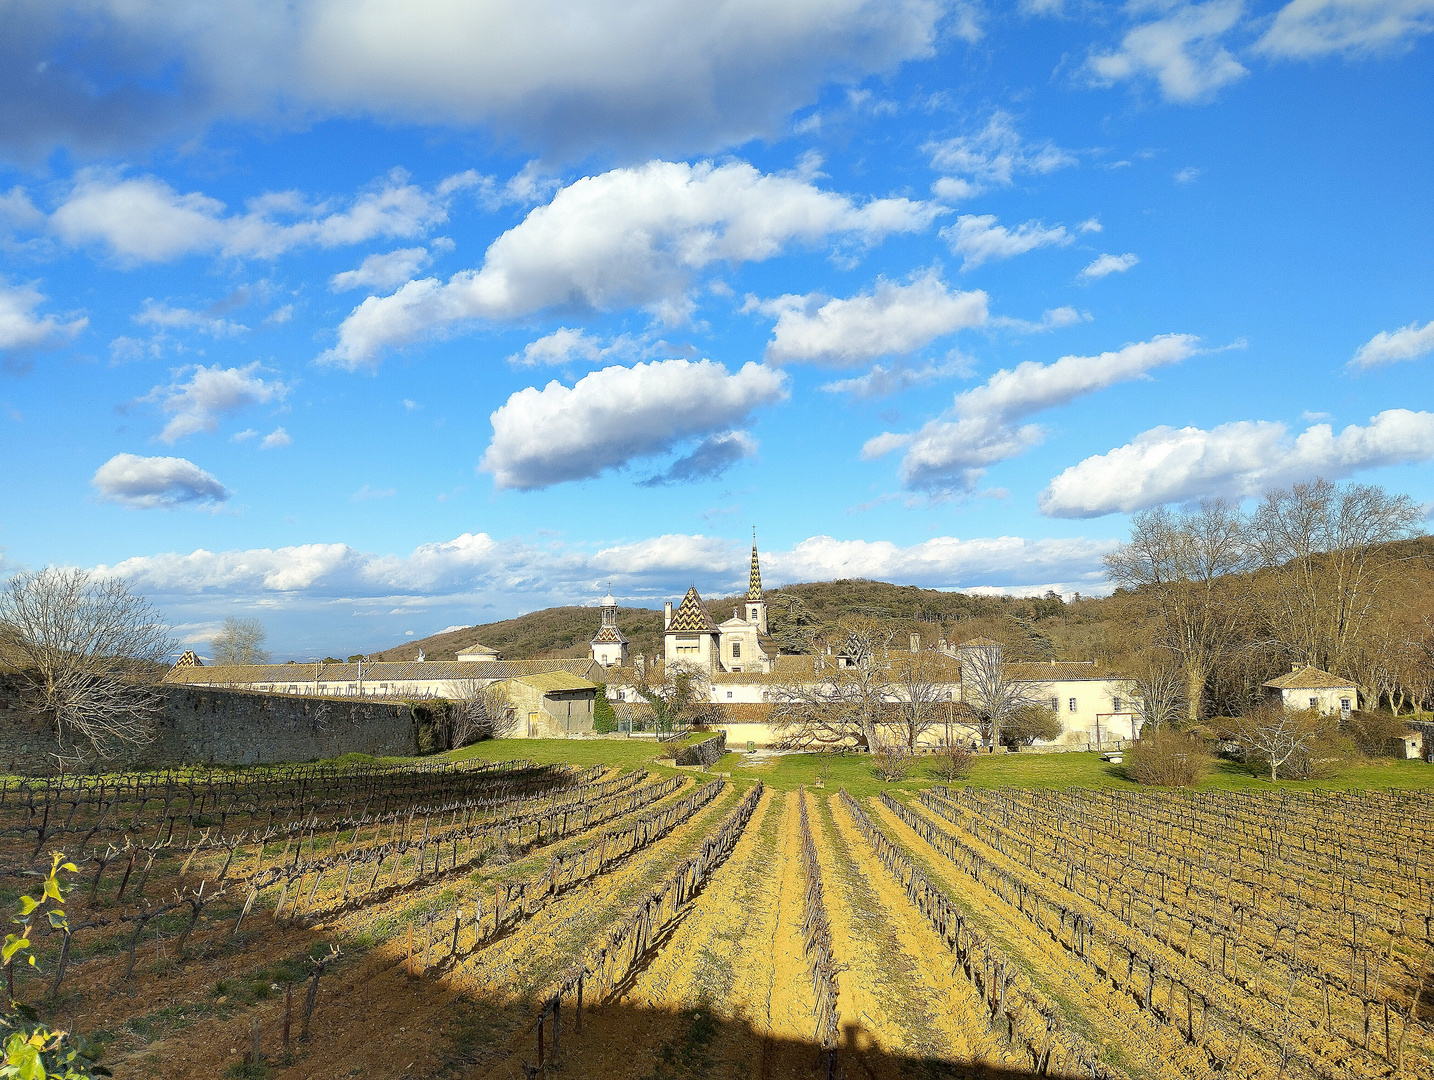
845 700
481 709
920 687
1326 546
680 694
1275 734
1181 563
89 652
993 694
1156 695
240 642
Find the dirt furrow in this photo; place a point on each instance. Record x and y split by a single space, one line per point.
1098 1012
893 1000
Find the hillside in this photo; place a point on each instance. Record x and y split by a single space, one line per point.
801 617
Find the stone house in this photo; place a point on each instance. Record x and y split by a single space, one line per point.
549 705
1091 701
478 653
1306 687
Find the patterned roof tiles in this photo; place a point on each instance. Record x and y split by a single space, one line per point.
691 616
754 581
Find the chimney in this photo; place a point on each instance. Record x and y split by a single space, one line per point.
667 614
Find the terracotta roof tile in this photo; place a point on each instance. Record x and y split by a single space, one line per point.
1310 678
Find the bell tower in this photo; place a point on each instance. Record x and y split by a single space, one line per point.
756 604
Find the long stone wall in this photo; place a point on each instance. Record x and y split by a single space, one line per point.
223 727
706 752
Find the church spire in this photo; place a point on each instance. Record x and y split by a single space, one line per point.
754 585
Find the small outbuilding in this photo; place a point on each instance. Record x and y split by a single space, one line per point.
1307 687
550 705
478 652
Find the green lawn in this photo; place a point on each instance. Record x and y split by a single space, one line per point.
856 772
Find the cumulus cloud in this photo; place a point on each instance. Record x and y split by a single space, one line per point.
475 567
882 381
1238 459
276 440
631 237
562 346
21 329
978 238
712 457
952 452
892 320
1182 52
1386 347
1107 265
561 75
610 417
1305 29
142 219
992 157
148 483
163 317
385 271
199 395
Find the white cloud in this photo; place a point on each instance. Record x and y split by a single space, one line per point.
384 271
196 403
1386 347
1240 459
368 491
1182 52
994 156
477 567
977 238
1188 175
21 328
565 76
632 237
1051 319
612 416
276 440
562 346
142 219
892 320
1107 265
156 482
1305 29
951 453
882 382
163 317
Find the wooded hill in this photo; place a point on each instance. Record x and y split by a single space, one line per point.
803 618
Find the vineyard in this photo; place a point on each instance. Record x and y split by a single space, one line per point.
509 919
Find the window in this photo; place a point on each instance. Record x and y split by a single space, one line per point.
1072 705
736 650
729 694
687 643
753 617
1344 704
1055 704
1115 702
1314 703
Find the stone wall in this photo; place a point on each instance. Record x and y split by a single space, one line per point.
706 752
224 727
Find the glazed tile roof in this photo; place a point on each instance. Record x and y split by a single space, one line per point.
691 616
189 659
754 580
609 635
1310 678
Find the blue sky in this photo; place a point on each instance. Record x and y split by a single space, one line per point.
372 320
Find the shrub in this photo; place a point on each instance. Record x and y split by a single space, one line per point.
1168 758
1029 723
893 761
954 762
1324 755
1373 731
604 717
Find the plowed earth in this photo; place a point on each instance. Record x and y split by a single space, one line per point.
723 990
